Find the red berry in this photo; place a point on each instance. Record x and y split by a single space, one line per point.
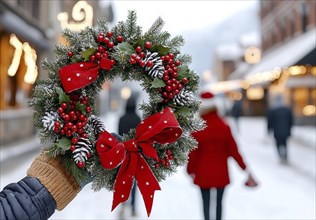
98 55
156 165
168 88
70 54
138 58
57 124
113 62
170 70
72 113
165 78
100 49
185 80
62 132
173 86
74 128
120 39
134 55
80 164
92 58
132 61
109 34
68 133
64 105
147 45
74 140
104 55
80 131
168 152
60 110
69 124
169 82
66 117
170 95
171 55
170 157
106 40
180 86
56 130
88 155
141 54
167 58
177 63
165 94
88 109
138 49
100 38
84 135
111 44
82 118
176 92
175 69
149 63
142 63
72 148
167 164
174 74
79 124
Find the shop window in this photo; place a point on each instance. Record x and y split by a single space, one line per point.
18 71
300 100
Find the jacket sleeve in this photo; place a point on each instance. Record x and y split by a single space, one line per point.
233 150
26 199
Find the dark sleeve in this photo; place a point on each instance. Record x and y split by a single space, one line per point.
269 121
27 199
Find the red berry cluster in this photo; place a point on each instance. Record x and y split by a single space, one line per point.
73 120
165 161
140 54
173 85
105 42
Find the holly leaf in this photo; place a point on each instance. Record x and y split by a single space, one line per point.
125 48
62 96
184 111
183 72
162 50
64 144
81 107
87 53
157 83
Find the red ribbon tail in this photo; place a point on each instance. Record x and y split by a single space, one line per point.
147 183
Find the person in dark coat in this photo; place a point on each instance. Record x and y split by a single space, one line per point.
47 186
208 165
236 112
128 121
280 122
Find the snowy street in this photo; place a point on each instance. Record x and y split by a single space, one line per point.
284 191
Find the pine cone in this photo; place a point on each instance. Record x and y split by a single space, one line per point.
157 69
49 120
97 124
83 150
184 97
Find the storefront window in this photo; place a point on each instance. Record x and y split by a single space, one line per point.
300 100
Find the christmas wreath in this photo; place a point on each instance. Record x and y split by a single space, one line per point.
64 106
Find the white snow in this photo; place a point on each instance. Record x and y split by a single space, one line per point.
284 191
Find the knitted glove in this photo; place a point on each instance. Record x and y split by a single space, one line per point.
53 175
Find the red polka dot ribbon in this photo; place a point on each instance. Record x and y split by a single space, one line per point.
162 128
78 75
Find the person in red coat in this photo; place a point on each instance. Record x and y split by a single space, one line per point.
207 164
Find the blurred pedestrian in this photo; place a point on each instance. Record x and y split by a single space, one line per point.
280 122
208 163
128 121
236 112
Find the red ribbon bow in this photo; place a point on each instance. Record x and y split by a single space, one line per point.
78 75
161 128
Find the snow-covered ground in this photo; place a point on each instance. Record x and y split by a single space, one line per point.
284 191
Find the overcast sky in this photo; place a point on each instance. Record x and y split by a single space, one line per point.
179 16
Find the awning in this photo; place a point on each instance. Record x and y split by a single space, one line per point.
287 54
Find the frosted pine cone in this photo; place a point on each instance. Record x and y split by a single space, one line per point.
184 98
157 69
97 124
49 119
83 150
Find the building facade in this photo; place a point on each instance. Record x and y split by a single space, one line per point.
28 32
